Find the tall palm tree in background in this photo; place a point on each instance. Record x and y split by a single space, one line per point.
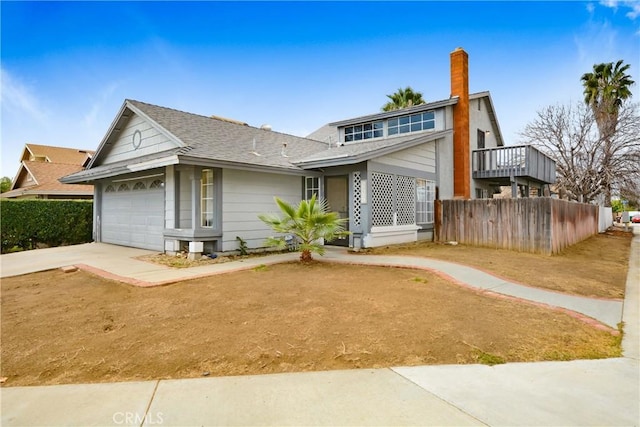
403 98
605 90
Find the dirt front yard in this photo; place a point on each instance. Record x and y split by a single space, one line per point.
595 267
75 327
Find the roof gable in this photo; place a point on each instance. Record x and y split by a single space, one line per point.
492 114
45 180
133 134
193 138
51 154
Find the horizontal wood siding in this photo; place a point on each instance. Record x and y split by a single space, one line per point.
248 194
537 225
152 142
422 157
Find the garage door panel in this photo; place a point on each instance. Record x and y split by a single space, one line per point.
133 218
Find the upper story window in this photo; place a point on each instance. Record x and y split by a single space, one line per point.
364 131
412 123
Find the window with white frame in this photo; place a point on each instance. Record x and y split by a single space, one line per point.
207 198
412 123
364 131
311 187
425 196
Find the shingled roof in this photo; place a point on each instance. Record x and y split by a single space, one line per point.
41 178
209 139
52 154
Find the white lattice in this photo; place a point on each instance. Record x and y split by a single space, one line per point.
406 199
357 212
381 199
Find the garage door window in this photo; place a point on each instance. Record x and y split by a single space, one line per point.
139 186
123 187
207 198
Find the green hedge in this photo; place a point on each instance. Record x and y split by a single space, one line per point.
28 223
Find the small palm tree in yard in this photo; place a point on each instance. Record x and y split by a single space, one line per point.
308 222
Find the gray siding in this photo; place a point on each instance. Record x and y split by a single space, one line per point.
479 119
445 167
422 158
152 141
185 202
248 194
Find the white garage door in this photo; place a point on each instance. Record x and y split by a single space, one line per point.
133 213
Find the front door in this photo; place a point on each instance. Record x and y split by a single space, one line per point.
336 189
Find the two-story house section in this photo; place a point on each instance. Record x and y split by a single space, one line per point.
166 178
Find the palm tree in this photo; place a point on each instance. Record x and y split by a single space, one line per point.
403 98
308 222
605 90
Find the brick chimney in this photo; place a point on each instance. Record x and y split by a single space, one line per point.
461 147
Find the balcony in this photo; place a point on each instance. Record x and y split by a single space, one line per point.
505 165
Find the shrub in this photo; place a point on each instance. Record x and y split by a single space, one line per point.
27 223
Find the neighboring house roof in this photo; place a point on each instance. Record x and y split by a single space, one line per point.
44 180
73 156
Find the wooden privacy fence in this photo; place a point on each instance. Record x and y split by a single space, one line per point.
538 225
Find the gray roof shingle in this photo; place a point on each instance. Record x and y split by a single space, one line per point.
220 140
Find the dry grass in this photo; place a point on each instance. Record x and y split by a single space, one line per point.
596 267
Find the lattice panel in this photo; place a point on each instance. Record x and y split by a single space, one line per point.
357 189
381 199
406 200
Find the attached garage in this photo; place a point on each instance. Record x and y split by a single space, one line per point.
133 213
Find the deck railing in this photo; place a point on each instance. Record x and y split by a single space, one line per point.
513 161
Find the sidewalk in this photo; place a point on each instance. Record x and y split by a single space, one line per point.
583 392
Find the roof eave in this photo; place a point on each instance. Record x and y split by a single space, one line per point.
127 105
361 157
387 114
90 175
224 164
492 114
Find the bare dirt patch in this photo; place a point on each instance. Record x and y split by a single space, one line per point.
76 328
595 267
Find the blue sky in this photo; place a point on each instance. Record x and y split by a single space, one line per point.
68 66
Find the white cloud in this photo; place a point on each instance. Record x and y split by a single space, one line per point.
91 117
635 10
16 98
610 3
590 8
634 5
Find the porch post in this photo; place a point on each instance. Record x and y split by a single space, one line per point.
195 248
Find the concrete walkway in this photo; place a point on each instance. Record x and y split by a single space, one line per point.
576 393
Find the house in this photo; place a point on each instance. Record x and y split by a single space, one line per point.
41 167
166 179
